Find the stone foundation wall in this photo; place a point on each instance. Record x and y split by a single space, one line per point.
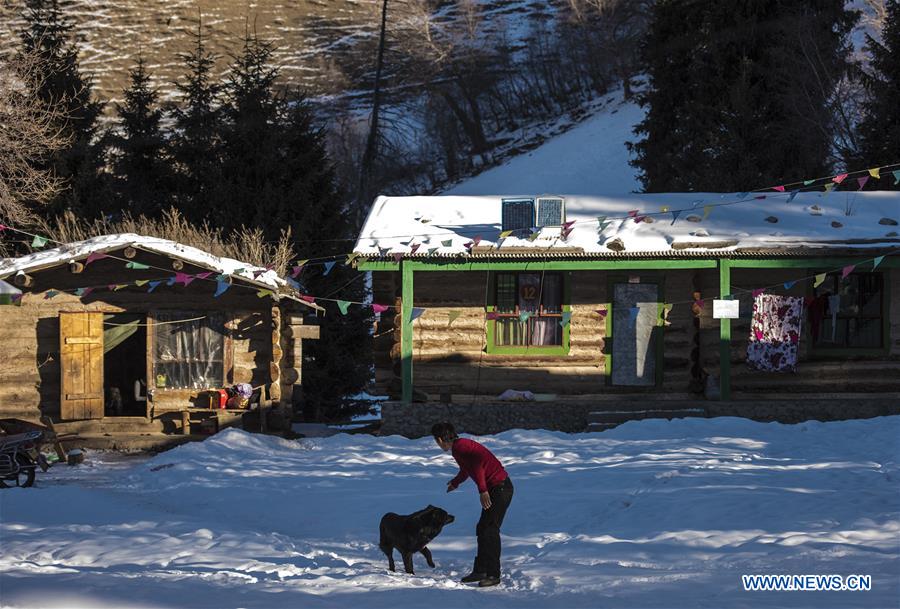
415 420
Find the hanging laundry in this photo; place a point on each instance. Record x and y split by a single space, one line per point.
774 333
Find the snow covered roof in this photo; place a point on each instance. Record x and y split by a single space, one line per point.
267 279
707 224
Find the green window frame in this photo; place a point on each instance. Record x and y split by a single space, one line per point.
856 310
504 291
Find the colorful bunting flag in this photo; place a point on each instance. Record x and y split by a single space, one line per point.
264 293
258 272
829 188
295 285
307 298
398 256
743 195
296 270
141 282
118 286
862 181
875 173
203 275
808 182
136 266
447 242
94 256
184 278
876 262
633 213
534 235
416 313
453 316
221 277
328 267
839 178
432 250
565 318
820 279
351 258
602 223
221 287
675 214
38 241
789 284
50 294
476 240
566 229
414 248
153 285
505 234
896 176
793 195
343 305
171 281
779 188
847 270
601 313
524 315
379 308
707 209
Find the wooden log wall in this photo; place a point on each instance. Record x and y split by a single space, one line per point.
451 358
815 373
29 362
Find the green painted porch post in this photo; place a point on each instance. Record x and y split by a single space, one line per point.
406 339
725 332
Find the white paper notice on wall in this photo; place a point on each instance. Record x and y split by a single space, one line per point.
726 309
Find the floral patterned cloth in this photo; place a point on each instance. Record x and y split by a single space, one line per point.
775 333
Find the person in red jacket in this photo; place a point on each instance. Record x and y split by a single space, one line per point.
495 491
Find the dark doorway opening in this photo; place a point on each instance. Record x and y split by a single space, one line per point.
125 364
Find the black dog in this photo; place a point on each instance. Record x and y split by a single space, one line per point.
410 534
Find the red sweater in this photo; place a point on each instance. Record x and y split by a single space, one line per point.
477 462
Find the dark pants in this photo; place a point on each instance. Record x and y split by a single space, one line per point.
488 529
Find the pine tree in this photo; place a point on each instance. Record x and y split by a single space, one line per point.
195 143
738 93
141 167
879 130
62 85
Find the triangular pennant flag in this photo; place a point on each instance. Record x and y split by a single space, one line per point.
221 287
307 298
416 313
379 308
171 281
707 209
298 268
876 262
820 279
94 256
141 282
414 248
118 286
896 176
136 266
343 305
398 257
453 316
505 234
875 173
778 188
808 182
432 250
633 213
238 271
524 315
221 277
829 188
793 195
839 178
295 285
328 267
758 291
760 197
3 227
83 291
601 313
447 242
153 285
50 294
38 241
184 278
789 284
468 245
862 181
633 313
534 235
565 318
351 258
675 214
264 293
743 195
847 270
203 275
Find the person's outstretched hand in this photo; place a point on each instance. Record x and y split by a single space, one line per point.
450 486
485 500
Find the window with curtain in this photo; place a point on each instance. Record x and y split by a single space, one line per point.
849 312
540 294
188 354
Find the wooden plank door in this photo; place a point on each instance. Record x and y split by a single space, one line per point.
81 365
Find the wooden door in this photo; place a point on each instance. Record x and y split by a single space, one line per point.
81 365
634 341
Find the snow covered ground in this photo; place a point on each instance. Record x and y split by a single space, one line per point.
651 514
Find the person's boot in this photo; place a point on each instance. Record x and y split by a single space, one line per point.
490 580
473 577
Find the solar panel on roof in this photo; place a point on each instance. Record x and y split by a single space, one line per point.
551 211
518 214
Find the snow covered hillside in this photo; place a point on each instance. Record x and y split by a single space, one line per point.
590 158
650 514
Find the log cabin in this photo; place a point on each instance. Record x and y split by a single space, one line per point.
589 311
123 337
